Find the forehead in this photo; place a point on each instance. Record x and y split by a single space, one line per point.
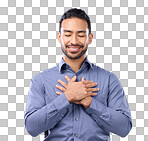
74 24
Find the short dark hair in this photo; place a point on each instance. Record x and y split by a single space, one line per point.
75 13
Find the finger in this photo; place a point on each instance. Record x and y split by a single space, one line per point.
58 93
60 88
83 79
92 94
62 83
74 78
87 82
92 89
89 85
67 78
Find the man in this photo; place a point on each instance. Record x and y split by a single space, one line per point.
76 100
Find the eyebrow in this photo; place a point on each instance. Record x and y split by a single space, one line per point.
67 31
81 31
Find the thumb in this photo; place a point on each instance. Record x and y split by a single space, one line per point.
74 78
83 79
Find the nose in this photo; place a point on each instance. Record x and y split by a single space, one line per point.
74 39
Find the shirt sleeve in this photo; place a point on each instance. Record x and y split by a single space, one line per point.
116 116
40 116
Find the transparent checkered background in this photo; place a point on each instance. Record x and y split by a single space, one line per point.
28 45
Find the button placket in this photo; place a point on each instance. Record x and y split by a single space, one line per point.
76 121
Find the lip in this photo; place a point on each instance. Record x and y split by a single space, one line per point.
74 48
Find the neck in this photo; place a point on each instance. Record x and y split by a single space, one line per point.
74 64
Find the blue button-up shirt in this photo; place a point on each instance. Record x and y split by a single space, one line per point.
61 121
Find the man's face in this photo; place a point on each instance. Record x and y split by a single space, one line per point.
74 37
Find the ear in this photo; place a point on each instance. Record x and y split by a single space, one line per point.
59 37
90 38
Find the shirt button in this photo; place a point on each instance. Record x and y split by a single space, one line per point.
76 119
76 135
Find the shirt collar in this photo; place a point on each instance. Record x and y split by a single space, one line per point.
62 63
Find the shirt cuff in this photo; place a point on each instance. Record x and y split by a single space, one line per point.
96 108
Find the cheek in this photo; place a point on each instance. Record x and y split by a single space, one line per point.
64 41
85 42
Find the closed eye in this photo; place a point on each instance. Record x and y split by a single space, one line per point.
67 35
81 36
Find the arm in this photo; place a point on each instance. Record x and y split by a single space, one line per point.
115 117
40 116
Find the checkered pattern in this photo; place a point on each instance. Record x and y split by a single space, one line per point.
28 45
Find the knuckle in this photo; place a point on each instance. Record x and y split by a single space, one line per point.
83 85
90 93
88 89
81 82
85 92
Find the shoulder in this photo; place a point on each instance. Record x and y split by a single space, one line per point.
100 70
104 73
45 73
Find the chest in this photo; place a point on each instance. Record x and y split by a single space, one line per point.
52 80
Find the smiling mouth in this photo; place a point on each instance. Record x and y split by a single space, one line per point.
73 48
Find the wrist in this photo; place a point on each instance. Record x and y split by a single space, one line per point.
69 98
87 106
87 103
